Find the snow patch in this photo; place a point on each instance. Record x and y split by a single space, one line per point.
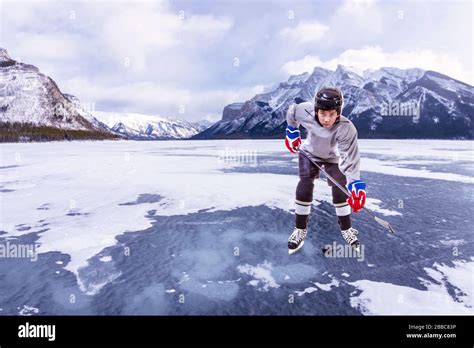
453 242
319 286
309 290
28 310
380 298
391 168
327 287
262 274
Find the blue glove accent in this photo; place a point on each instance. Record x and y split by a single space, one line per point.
292 132
356 186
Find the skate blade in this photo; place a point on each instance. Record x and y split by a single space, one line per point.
356 247
292 251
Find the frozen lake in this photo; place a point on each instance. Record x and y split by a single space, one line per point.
201 227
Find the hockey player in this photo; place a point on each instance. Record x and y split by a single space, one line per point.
332 143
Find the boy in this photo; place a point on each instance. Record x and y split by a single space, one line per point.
330 136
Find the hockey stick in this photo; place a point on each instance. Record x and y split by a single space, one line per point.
377 219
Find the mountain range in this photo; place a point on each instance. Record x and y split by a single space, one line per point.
149 127
383 103
32 107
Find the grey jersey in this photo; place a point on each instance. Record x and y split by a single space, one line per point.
337 144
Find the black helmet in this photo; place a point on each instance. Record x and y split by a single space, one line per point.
329 98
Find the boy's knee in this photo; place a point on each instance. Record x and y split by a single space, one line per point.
304 190
337 195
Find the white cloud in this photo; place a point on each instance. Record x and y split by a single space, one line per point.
305 32
47 46
375 58
141 54
198 104
137 33
146 53
356 8
306 64
357 20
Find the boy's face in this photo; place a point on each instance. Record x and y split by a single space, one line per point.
327 117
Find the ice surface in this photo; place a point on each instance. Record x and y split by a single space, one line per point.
86 186
80 197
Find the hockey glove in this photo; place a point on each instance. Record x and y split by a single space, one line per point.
358 195
293 139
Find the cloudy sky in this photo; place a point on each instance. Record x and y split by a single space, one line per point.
189 59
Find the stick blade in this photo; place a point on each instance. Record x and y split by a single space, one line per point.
384 224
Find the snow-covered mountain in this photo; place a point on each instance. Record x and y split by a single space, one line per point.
203 124
384 103
32 106
148 127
